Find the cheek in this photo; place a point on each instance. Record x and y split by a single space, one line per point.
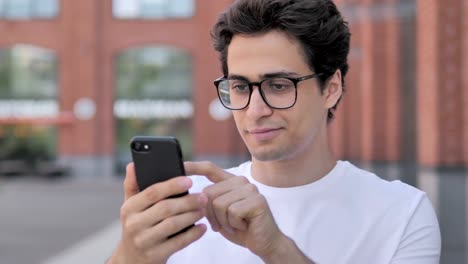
235 115
237 120
309 113
311 102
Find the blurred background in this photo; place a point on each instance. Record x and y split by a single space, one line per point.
78 79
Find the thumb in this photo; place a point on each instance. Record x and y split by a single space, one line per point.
130 183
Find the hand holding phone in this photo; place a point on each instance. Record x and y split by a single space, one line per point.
157 159
155 225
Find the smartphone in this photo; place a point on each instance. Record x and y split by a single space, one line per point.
157 159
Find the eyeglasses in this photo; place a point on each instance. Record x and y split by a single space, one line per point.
277 92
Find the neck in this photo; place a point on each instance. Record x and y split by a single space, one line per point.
309 165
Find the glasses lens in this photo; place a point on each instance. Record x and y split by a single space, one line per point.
234 94
279 92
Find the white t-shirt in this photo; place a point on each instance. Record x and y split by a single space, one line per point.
348 216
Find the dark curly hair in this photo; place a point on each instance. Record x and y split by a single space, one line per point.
317 25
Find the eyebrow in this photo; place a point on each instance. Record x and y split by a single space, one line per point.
264 76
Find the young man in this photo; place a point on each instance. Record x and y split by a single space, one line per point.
284 63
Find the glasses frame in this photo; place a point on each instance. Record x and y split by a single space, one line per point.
295 81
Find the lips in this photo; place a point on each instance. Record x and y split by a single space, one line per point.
264 134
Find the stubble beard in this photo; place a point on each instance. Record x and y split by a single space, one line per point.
270 152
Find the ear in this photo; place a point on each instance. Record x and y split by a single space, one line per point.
333 91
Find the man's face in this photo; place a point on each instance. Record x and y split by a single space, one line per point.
273 134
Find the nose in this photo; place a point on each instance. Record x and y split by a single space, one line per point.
257 107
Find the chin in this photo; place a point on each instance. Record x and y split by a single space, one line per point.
269 154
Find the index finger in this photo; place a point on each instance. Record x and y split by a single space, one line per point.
205 168
130 183
157 192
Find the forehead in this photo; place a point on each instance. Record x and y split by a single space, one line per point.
257 55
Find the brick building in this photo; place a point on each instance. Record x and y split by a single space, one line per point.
405 99
407 83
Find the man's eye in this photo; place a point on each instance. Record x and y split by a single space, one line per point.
279 86
240 87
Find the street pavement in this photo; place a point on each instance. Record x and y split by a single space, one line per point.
52 221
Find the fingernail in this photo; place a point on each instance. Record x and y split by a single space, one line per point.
185 182
202 227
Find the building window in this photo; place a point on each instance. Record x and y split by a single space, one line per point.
153 9
28 72
28 9
153 97
28 90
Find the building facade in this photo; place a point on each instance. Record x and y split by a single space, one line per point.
405 99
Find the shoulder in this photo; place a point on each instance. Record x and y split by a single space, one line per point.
400 208
370 185
390 199
365 191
